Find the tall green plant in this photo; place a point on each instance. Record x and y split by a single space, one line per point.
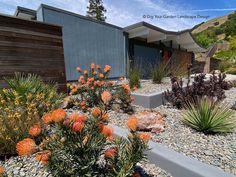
159 72
134 77
209 116
22 104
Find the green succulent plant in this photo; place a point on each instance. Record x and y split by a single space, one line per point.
209 116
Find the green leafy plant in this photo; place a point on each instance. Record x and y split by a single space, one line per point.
209 116
22 104
159 72
84 145
134 77
93 86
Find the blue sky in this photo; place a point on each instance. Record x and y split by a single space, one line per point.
185 13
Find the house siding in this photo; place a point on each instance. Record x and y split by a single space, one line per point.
87 41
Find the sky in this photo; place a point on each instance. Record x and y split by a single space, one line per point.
172 15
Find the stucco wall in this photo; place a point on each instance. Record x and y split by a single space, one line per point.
86 41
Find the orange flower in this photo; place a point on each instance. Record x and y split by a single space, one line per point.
43 157
94 73
58 115
96 112
85 72
26 147
83 103
107 131
77 126
98 67
111 152
75 117
132 123
47 118
92 66
145 136
35 130
101 75
2 170
78 69
81 79
106 97
136 174
125 87
107 68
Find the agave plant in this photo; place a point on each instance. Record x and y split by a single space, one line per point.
209 116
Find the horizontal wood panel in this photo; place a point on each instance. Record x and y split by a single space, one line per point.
31 47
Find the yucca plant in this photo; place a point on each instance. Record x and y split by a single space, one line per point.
209 116
159 72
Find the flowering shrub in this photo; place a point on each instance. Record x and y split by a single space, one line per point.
82 144
94 89
22 105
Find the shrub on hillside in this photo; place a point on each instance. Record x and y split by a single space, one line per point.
93 86
83 145
200 87
22 105
208 116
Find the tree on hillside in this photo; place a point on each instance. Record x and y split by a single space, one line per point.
96 10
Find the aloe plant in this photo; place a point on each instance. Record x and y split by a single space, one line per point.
209 116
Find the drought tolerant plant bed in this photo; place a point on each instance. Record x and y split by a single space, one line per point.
218 150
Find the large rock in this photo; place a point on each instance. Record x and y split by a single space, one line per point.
150 121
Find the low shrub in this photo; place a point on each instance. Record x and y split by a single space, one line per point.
158 73
200 87
93 86
22 105
209 116
134 77
84 145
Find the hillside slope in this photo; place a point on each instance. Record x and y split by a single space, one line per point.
221 30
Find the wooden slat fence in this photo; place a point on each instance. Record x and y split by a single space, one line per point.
31 47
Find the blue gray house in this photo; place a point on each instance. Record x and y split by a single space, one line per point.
89 41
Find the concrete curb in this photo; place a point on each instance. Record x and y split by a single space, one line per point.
148 100
175 163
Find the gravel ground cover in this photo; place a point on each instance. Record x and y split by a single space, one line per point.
218 150
147 87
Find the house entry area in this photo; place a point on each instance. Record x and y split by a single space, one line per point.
149 46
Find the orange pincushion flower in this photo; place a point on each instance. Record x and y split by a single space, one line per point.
75 117
58 115
2 170
94 73
78 69
101 75
81 79
26 147
98 67
35 130
47 118
107 68
145 136
96 112
77 126
111 152
136 174
106 131
43 157
85 72
126 87
106 97
132 123
92 66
